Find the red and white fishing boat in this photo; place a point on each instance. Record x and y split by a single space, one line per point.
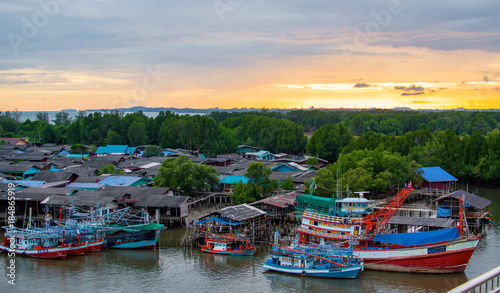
34 244
438 251
227 244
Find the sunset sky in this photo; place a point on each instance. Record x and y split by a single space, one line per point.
67 54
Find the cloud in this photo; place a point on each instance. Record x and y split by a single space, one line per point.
361 84
486 79
411 90
421 101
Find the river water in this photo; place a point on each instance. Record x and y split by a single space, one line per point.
171 268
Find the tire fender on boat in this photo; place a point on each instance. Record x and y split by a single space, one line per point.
303 274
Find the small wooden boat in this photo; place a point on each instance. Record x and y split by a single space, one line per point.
227 244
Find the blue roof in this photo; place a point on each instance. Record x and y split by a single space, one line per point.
28 183
220 220
419 238
122 180
232 179
261 153
84 185
436 174
77 155
112 149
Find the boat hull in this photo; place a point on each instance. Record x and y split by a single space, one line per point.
94 246
433 259
77 249
244 252
345 273
134 241
46 253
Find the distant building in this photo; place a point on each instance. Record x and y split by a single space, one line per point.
14 140
437 178
116 150
245 149
261 156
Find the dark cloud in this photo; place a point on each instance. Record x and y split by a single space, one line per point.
486 79
362 84
410 88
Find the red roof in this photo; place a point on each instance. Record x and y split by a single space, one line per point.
282 201
12 140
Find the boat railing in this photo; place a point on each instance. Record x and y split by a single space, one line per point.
487 282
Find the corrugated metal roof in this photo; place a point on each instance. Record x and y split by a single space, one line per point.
122 180
84 185
121 149
281 200
161 201
80 201
242 212
231 179
420 221
27 183
469 198
436 174
51 176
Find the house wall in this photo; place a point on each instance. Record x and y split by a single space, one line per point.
438 185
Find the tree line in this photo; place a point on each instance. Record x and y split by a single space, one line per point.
464 143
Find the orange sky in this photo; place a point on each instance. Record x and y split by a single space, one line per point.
264 54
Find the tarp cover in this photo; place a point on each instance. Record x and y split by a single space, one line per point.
443 213
420 238
220 220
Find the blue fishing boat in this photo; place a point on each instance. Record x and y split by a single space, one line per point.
325 261
313 262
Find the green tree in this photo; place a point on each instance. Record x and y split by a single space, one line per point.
243 193
328 141
312 161
79 149
152 151
62 118
287 185
258 178
325 183
183 174
42 116
113 138
110 169
137 134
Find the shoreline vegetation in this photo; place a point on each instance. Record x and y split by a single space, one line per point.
465 143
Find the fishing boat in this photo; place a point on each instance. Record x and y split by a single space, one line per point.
352 222
228 244
34 244
138 236
325 261
119 229
313 262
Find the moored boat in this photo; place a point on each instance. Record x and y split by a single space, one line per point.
228 244
34 244
352 222
314 262
133 236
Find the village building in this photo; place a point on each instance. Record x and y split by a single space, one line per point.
435 178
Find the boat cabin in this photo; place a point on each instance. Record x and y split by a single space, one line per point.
353 207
